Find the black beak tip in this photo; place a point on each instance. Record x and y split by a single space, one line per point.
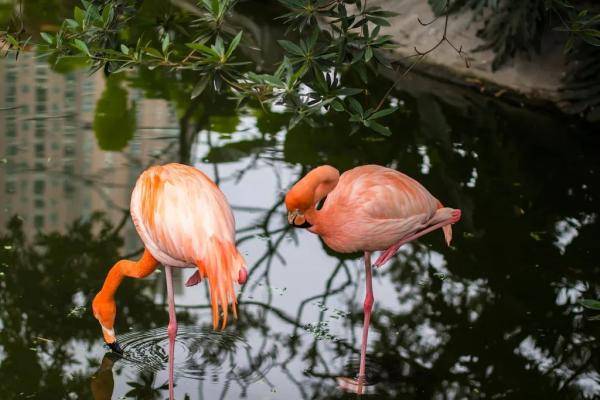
115 347
304 225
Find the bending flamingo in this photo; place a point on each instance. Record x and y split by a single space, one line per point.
368 208
185 222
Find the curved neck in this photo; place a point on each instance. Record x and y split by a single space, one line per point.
312 188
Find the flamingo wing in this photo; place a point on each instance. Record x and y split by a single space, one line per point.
184 219
374 207
383 193
177 211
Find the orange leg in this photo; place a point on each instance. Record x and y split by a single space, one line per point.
104 306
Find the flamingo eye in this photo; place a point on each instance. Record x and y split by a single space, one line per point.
320 203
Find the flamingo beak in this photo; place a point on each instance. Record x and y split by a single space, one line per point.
115 347
292 216
297 219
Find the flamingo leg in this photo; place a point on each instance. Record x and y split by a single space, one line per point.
368 306
390 252
172 329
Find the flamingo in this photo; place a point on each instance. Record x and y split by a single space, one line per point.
184 221
368 208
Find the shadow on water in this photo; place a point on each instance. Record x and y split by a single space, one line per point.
494 316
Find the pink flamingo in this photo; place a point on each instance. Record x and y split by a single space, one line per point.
368 208
185 222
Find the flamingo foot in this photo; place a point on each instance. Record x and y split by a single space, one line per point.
353 385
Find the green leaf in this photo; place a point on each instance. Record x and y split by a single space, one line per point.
234 43
384 130
348 91
124 49
299 74
12 40
382 113
590 303
219 47
202 48
383 60
383 13
378 21
107 14
152 52
355 105
337 105
79 15
368 54
165 43
79 44
200 86
72 23
47 37
291 47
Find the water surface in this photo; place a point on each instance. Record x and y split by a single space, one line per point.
493 316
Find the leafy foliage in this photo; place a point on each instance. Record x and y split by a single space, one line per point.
308 81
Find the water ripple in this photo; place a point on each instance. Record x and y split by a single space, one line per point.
200 354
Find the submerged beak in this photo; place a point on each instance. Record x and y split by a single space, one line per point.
115 347
297 219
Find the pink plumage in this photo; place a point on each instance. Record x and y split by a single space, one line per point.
368 208
373 207
184 221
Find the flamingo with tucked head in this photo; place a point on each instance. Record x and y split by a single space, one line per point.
184 221
368 208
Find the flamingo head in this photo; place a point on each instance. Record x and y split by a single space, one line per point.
105 311
308 195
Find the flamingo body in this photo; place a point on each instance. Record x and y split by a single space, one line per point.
184 221
368 208
372 207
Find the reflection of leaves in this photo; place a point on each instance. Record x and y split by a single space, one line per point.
224 123
144 389
270 122
236 150
38 291
114 122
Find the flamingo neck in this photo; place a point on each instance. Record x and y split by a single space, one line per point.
313 187
111 284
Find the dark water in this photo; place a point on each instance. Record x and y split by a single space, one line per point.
494 316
